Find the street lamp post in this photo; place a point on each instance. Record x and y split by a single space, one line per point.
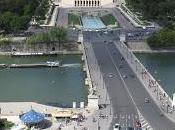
131 56
98 123
103 82
110 111
136 64
157 91
106 93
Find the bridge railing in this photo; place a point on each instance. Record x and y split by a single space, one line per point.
156 91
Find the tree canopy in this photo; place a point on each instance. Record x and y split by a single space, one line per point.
16 14
5 125
55 35
161 10
164 38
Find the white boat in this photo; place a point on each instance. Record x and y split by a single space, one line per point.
13 65
51 63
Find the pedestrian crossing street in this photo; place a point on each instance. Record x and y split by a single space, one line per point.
128 120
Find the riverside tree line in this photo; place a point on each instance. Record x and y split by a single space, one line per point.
16 14
161 11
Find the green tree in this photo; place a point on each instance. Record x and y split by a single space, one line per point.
16 14
58 34
4 124
161 10
62 36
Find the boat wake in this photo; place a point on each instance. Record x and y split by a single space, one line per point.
71 65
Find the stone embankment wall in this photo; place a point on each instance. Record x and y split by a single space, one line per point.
22 48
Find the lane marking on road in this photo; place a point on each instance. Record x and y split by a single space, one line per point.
129 125
120 116
129 117
115 116
132 99
123 125
125 85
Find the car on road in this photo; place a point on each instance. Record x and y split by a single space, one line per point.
102 106
110 75
147 100
124 76
105 32
130 35
117 127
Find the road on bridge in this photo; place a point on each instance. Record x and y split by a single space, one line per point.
122 93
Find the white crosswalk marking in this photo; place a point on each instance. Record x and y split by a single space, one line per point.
129 125
123 125
128 120
142 119
144 123
120 115
115 117
125 120
129 117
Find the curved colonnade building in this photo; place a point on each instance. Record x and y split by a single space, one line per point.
89 3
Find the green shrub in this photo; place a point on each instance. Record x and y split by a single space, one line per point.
73 19
108 19
5 125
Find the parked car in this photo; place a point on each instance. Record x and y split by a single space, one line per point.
147 100
117 127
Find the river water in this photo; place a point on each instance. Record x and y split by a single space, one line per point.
162 67
58 86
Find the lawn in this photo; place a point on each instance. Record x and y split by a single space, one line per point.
73 19
108 19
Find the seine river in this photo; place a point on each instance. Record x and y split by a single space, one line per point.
162 67
54 86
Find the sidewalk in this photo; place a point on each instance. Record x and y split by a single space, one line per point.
92 122
99 87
